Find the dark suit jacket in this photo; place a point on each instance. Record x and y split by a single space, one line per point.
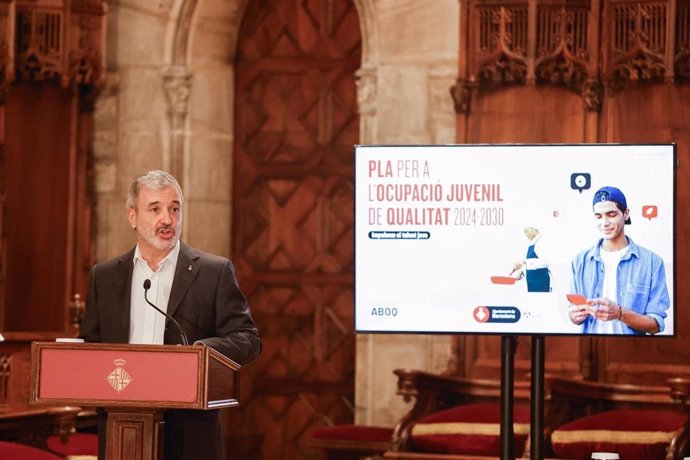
206 300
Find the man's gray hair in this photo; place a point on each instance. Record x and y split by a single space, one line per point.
155 180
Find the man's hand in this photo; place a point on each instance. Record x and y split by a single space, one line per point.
578 313
604 309
607 310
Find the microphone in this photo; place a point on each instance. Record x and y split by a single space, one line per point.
147 286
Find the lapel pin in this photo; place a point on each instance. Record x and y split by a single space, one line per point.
189 268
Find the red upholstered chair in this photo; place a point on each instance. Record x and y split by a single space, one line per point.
457 416
633 434
432 394
14 451
75 445
638 422
470 429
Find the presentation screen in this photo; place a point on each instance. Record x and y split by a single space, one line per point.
515 239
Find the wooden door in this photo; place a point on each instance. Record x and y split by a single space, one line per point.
38 165
295 128
46 201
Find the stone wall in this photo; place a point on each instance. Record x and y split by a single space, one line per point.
406 79
169 104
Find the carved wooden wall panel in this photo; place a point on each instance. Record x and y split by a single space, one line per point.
39 245
586 71
481 355
682 58
525 114
295 128
51 63
655 113
638 41
501 116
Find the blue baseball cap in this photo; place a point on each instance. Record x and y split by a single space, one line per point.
611 194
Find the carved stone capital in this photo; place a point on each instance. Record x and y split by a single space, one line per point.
366 81
177 83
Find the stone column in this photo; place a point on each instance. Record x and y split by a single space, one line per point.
177 81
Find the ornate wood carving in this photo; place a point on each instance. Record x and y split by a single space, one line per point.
40 42
7 19
85 46
638 41
502 44
60 40
523 42
562 49
5 373
76 312
556 42
461 92
592 93
682 45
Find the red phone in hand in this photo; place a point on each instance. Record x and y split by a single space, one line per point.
576 299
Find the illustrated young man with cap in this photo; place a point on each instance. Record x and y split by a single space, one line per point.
624 283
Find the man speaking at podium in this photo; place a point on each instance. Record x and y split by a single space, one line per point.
199 291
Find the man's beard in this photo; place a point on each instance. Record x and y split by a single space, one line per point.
154 240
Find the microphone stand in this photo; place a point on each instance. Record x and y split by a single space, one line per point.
183 335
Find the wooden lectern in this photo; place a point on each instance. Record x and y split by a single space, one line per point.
135 384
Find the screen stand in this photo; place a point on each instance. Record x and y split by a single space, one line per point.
508 347
537 399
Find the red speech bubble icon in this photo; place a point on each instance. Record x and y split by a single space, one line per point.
650 211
